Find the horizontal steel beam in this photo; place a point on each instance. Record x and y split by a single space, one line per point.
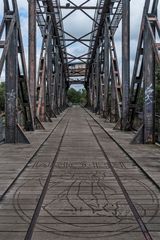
76 82
79 8
77 40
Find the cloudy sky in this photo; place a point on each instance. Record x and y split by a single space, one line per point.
79 24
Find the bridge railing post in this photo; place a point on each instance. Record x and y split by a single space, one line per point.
97 78
106 67
11 84
125 61
149 87
32 54
17 98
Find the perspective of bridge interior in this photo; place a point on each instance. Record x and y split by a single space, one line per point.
79 120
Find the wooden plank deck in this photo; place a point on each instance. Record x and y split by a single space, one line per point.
84 198
146 156
13 158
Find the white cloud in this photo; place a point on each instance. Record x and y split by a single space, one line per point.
22 4
1 8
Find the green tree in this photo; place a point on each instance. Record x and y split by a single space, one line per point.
77 97
83 99
2 96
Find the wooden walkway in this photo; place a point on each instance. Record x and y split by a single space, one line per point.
76 182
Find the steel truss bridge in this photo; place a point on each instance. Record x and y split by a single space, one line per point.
32 98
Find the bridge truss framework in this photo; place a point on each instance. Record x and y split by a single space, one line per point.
32 98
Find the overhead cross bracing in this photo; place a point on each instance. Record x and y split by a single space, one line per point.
96 13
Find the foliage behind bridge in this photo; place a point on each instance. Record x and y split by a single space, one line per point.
77 97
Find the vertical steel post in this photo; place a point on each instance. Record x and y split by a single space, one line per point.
49 71
90 89
113 118
125 61
54 77
106 67
53 92
43 93
11 87
97 76
32 54
100 80
60 85
93 87
63 90
149 86
57 79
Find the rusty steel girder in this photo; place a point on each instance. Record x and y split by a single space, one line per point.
17 97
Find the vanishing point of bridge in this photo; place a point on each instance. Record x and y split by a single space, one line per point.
80 172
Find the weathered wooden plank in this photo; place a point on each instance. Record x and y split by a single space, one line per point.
83 198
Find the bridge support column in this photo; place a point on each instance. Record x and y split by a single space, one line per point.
125 61
113 113
57 79
106 69
91 89
101 81
11 87
97 79
32 54
53 91
15 80
113 79
60 86
64 94
149 88
49 73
